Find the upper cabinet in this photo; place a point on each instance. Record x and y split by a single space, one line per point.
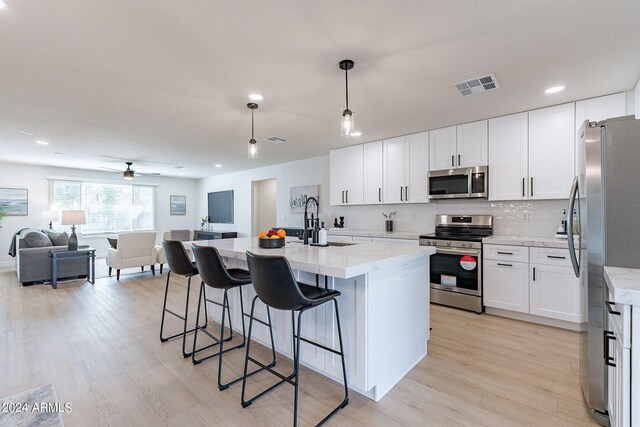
508 157
405 168
551 151
458 146
372 154
346 176
472 144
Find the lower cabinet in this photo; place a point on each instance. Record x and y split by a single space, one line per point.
546 287
506 285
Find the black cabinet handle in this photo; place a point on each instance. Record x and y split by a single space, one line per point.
610 309
346 196
406 193
379 194
401 194
532 186
608 360
458 159
523 179
534 274
505 265
505 253
556 257
452 161
342 196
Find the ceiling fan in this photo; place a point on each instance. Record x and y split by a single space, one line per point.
129 173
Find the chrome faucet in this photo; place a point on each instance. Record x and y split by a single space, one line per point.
306 219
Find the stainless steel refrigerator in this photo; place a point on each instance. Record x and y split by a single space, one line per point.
606 198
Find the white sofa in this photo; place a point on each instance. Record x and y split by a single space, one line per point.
180 235
135 249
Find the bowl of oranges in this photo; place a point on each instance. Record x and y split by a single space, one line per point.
272 239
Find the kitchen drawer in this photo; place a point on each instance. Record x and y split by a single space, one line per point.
550 256
506 253
620 319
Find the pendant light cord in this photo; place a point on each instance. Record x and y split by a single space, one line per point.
346 84
252 125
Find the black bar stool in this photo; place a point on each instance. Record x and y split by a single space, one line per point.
215 275
179 263
276 286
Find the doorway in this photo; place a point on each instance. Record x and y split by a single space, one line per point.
263 205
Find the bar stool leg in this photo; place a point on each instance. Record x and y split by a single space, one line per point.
164 307
186 321
296 370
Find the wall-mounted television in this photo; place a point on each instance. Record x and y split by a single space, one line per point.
221 207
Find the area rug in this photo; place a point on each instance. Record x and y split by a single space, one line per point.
36 407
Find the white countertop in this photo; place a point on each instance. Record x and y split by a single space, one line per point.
337 261
541 242
371 233
624 284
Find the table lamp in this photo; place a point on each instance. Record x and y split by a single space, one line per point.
51 216
73 218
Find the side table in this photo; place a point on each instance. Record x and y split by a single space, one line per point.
82 252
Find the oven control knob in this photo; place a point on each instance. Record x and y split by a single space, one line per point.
448 243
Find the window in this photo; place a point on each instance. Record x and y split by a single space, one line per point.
109 208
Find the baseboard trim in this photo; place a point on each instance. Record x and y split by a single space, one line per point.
578 327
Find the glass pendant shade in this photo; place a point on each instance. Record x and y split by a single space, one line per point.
347 123
253 149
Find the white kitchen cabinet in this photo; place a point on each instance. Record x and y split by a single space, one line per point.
405 161
554 291
458 146
506 285
471 144
346 176
508 157
372 167
442 148
595 110
533 280
551 151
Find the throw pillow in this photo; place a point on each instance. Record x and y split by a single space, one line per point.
37 239
180 235
113 243
58 238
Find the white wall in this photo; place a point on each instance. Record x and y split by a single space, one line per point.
34 178
304 172
264 201
637 98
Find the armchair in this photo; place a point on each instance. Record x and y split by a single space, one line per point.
135 249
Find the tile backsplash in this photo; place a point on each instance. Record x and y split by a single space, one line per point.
536 218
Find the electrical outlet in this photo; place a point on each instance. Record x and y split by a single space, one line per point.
525 217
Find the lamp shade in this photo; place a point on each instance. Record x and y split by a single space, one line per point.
73 217
51 216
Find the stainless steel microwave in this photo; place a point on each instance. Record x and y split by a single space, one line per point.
460 183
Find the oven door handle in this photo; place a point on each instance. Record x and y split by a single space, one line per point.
451 251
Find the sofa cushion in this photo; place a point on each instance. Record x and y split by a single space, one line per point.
36 239
58 238
181 235
113 243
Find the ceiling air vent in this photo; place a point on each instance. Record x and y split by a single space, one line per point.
476 85
275 140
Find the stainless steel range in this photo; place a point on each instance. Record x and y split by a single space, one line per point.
456 267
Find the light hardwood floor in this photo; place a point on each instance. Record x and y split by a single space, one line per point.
98 344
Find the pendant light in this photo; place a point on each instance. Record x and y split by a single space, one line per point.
347 115
253 144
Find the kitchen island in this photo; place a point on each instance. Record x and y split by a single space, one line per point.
384 308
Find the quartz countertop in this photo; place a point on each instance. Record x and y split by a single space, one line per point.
541 242
371 233
624 284
338 261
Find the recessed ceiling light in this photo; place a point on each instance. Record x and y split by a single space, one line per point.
218 165
42 142
357 133
554 89
253 96
3 5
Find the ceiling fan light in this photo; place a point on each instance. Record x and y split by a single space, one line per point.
128 175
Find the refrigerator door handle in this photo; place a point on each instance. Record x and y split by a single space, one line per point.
572 250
